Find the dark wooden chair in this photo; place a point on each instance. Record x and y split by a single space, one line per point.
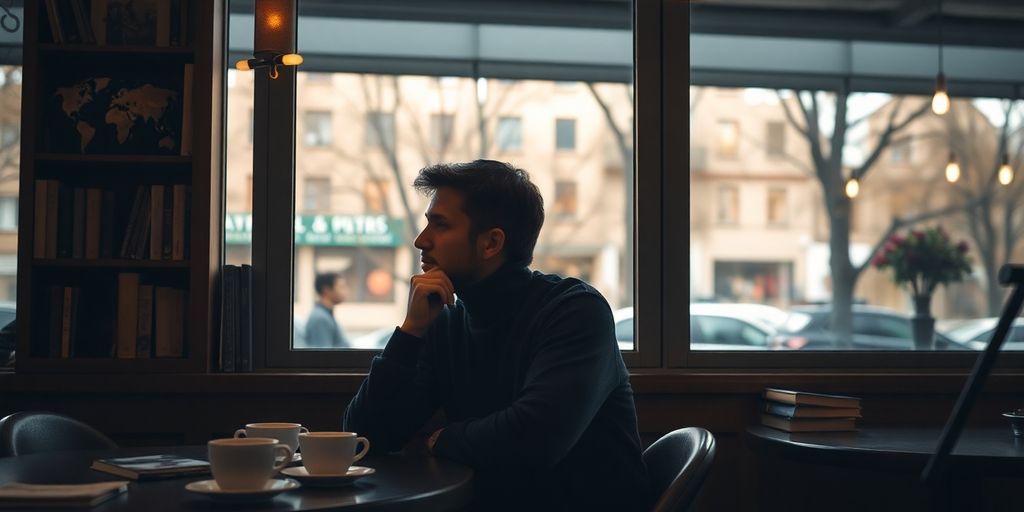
24 433
677 465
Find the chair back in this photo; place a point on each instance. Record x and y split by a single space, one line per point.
677 465
24 433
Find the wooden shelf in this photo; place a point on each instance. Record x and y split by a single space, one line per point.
110 263
114 49
97 294
109 365
114 159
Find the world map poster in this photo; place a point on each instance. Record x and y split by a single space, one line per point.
117 113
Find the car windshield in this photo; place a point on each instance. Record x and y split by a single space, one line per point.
797 321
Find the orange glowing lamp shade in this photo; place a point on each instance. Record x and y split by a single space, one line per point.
275 27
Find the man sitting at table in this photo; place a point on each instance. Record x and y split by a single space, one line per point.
524 365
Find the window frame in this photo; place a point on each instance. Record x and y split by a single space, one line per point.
275 120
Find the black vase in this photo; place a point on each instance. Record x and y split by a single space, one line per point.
923 323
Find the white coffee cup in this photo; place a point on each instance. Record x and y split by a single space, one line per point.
287 433
331 453
246 463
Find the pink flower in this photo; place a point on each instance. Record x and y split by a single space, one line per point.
879 260
896 239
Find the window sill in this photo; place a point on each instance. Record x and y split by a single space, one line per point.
645 382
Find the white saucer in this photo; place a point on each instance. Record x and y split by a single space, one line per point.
296 457
354 473
272 488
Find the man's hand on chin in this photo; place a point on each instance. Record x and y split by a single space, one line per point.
429 292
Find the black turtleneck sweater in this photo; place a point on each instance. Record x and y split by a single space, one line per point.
527 371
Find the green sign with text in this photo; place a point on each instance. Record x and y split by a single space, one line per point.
326 230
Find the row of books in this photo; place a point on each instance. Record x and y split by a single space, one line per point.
129 321
235 354
800 411
120 22
81 222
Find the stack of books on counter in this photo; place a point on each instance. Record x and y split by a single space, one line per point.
800 411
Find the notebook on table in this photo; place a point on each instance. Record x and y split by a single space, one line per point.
152 466
17 495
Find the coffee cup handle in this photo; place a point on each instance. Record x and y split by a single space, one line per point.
283 449
240 433
366 448
303 430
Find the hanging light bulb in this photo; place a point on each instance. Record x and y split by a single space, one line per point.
940 101
952 169
852 187
1005 174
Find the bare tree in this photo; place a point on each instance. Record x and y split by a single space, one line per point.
826 158
994 220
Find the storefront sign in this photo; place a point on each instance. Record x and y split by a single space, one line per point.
326 230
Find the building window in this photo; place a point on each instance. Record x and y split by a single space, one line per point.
316 196
775 138
509 134
778 210
728 137
565 134
9 213
727 206
317 124
380 130
375 193
565 199
441 130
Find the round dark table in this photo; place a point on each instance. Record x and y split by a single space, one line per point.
402 482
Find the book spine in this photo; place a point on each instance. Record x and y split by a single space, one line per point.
93 215
51 14
98 17
186 111
170 320
127 314
107 230
52 222
156 222
229 297
245 318
39 223
179 222
65 325
144 333
66 219
78 224
133 218
54 323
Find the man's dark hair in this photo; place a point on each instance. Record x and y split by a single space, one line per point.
495 195
325 281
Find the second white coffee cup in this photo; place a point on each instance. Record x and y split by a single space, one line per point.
239 464
331 453
287 433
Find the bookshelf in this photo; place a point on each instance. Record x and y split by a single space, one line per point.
120 189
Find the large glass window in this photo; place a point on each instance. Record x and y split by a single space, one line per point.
393 118
10 162
866 175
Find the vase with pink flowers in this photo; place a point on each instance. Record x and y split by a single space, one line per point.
921 260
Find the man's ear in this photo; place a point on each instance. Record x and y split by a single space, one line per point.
491 243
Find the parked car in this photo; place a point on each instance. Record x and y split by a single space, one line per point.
976 333
375 339
715 326
8 332
874 328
